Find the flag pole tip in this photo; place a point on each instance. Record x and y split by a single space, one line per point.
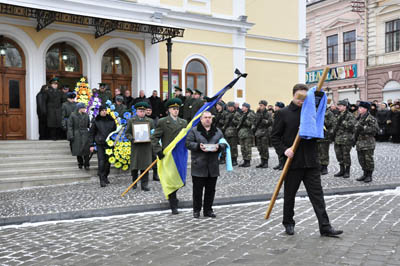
237 72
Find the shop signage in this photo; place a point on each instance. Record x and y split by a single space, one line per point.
335 73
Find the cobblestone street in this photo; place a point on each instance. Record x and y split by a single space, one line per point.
241 185
238 236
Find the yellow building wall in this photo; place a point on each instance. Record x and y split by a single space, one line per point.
172 2
207 37
269 81
222 7
273 18
39 37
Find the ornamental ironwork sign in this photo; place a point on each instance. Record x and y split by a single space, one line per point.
102 26
358 6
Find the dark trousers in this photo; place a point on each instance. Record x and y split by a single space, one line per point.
43 133
312 182
102 158
83 160
208 184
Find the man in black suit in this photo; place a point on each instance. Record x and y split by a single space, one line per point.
305 165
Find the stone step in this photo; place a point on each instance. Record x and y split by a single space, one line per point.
33 144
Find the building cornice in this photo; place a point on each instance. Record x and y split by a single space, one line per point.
270 38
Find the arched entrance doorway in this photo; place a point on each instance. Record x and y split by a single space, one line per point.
116 70
64 62
12 90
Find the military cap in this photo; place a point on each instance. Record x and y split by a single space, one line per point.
80 106
246 105
101 84
280 104
189 90
196 91
230 104
119 98
177 88
264 102
221 104
364 104
142 105
71 95
343 102
174 102
54 80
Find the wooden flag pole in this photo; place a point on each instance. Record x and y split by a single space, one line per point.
140 177
289 160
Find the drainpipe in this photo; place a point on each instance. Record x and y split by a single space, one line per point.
366 50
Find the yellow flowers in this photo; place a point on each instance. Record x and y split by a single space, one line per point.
118 165
110 143
125 167
109 151
83 92
111 160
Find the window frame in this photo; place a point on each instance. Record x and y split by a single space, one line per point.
61 69
331 48
351 57
391 34
164 71
195 75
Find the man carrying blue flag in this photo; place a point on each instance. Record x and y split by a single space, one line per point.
305 166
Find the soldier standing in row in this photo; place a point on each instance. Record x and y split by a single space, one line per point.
78 135
178 94
263 123
244 123
53 99
218 122
344 138
197 103
323 144
188 105
166 131
365 130
230 131
141 151
104 94
66 109
120 107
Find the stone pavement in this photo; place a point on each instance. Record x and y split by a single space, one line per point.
238 236
242 185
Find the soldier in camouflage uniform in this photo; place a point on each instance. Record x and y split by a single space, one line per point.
261 131
244 123
230 131
217 121
323 144
364 139
344 138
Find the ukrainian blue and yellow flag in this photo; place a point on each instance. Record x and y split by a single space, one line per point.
173 167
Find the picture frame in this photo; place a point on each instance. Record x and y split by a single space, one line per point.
141 132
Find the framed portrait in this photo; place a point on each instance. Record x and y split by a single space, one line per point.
141 132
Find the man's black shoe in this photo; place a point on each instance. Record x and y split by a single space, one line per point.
277 167
210 214
106 180
196 215
80 166
145 188
174 211
87 167
324 169
331 232
289 229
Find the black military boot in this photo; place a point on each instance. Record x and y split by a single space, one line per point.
341 171
346 172
324 169
246 163
134 174
102 182
281 164
265 165
106 180
222 161
145 181
362 178
173 204
234 161
368 177
155 175
261 164
277 167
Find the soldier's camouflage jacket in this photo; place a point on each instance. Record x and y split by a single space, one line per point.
263 122
244 123
329 126
365 130
229 125
344 128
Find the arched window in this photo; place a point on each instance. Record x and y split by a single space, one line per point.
391 91
196 76
10 54
116 70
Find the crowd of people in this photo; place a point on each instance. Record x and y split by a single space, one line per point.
346 125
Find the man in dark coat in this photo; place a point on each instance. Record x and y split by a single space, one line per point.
104 94
141 98
205 167
141 151
120 107
188 105
196 104
128 99
53 100
78 135
65 89
156 105
281 157
101 127
394 122
382 117
304 167
41 111
166 131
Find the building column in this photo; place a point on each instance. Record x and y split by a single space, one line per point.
152 67
239 61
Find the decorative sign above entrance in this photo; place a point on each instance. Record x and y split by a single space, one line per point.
335 73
